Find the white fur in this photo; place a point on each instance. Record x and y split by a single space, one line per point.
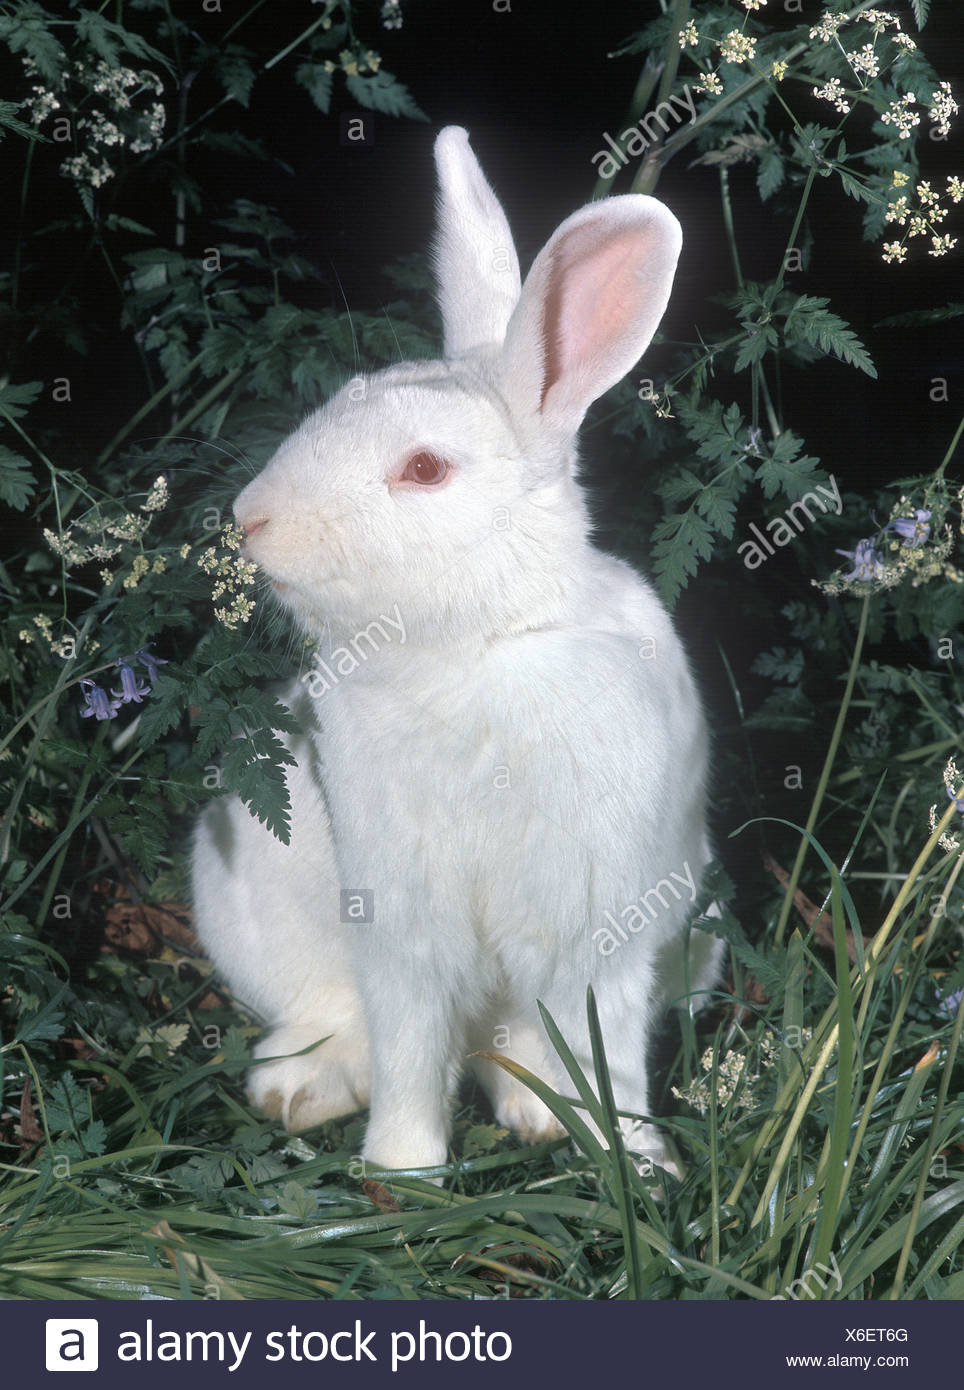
512 764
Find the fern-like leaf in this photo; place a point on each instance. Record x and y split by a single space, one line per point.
810 320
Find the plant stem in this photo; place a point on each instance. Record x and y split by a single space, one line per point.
931 1144
147 407
950 449
638 102
21 215
824 775
58 864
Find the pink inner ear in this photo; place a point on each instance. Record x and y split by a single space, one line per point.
592 301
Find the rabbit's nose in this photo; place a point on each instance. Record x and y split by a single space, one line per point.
251 527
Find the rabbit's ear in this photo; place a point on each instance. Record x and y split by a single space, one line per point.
476 265
589 307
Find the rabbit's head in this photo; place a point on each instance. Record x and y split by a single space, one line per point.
447 488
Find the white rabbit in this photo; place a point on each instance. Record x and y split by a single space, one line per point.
507 755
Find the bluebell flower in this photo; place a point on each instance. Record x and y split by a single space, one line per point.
957 800
151 662
131 687
98 702
868 563
949 1004
913 530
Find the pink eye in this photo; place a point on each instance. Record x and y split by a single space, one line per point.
425 468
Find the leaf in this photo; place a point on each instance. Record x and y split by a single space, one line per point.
758 342
810 320
295 1200
235 73
921 10
739 149
14 400
10 121
482 1139
143 831
680 542
67 1106
108 40
383 92
763 968
770 171
854 188
783 471
317 83
17 484
170 1036
28 32
717 504
920 318
780 665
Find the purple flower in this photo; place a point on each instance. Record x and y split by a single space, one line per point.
151 662
913 530
958 801
949 1004
98 702
130 689
868 564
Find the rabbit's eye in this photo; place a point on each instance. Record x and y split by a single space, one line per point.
425 468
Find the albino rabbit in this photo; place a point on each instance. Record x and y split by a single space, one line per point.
505 759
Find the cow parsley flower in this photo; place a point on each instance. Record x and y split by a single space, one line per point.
827 27
943 107
899 114
833 91
737 47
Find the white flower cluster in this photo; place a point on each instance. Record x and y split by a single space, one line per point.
923 220
158 496
120 123
732 1072
826 28
833 91
865 62
126 527
737 47
943 107
952 781
232 576
899 113
392 14
710 84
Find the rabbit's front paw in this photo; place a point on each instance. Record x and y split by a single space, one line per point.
529 1118
409 1146
329 1081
